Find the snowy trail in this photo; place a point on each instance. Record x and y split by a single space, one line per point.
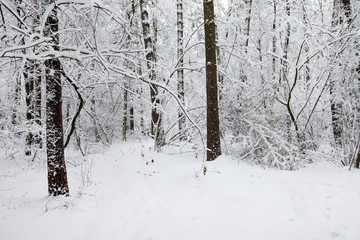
133 198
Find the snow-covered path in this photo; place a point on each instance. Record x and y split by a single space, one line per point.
137 194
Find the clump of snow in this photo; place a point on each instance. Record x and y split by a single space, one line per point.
129 191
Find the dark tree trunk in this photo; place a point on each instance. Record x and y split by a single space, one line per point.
156 129
213 129
125 118
57 175
29 89
336 109
131 120
357 161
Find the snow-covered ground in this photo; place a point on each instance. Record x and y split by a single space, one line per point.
129 192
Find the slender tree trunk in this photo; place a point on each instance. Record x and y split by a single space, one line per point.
37 103
357 161
284 65
124 127
274 42
306 49
156 128
128 110
32 77
180 71
131 120
341 13
336 106
248 4
17 93
29 89
37 83
17 90
213 129
57 175
131 110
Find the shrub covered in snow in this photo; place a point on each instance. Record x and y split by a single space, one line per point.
262 146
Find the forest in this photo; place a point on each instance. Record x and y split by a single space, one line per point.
219 84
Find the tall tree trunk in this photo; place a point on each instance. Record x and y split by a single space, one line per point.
57 175
180 71
126 109
32 77
284 68
17 90
306 49
336 106
341 10
156 125
29 89
213 129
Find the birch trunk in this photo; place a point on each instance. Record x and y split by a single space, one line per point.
180 71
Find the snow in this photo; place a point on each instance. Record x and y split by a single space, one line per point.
130 192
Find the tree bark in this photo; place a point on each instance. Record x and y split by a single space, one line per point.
213 129
156 128
57 175
180 71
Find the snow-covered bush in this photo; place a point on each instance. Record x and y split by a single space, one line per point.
262 146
